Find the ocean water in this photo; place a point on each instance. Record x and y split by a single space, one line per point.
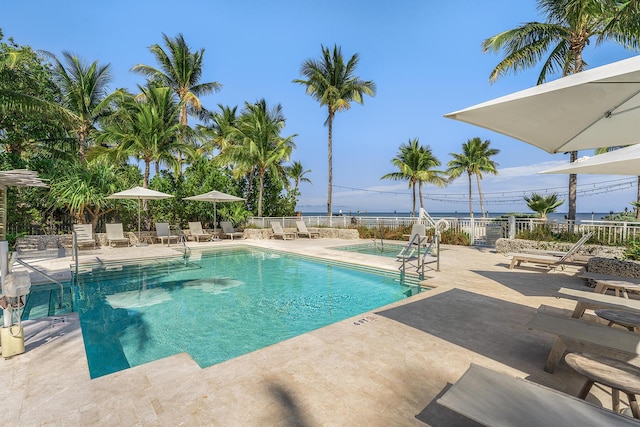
557 216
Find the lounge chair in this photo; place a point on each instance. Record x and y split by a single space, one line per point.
303 231
495 399
279 232
551 261
115 235
84 235
163 233
196 232
229 231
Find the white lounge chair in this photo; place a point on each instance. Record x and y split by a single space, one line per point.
229 231
551 261
196 232
115 235
163 233
303 231
279 232
84 235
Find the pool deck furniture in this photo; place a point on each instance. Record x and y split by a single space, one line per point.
582 335
495 399
115 235
84 235
228 231
163 233
620 288
303 231
625 318
591 276
614 373
550 261
196 232
280 233
593 301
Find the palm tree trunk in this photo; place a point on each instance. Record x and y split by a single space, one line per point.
470 201
330 148
413 199
420 193
480 195
261 173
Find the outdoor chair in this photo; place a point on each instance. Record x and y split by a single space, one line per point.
84 235
115 235
279 232
551 261
229 231
163 233
196 232
303 231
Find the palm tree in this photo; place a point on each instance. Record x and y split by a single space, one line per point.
475 159
570 26
256 145
333 83
181 71
147 128
297 173
415 164
84 96
543 204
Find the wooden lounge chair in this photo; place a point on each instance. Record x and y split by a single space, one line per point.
279 232
196 232
584 336
551 261
115 235
163 233
495 399
303 231
229 231
84 235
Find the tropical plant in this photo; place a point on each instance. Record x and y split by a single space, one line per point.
146 128
543 204
256 145
297 173
475 159
181 71
415 163
333 83
570 26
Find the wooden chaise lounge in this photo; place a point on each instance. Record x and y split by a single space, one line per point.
551 261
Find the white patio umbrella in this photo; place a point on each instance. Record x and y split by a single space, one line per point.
592 109
624 161
139 194
214 196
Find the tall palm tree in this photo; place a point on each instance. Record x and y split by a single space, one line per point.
297 173
147 128
415 164
570 26
84 96
256 144
475 159
333 83
181 71
543 204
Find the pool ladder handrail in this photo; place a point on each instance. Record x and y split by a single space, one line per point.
375 243
183 238
43 274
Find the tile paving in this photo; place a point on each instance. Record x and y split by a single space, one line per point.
381 368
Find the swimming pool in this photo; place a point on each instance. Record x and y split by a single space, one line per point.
390 250
219 306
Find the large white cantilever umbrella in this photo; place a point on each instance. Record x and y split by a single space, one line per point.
624 161
140 194
591 109
215 196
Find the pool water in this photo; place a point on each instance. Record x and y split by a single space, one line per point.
222 305
390 250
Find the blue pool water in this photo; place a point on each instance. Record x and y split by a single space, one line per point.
390 250
223 305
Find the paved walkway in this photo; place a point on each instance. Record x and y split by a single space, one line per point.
381 368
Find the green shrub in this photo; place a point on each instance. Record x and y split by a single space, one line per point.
633 250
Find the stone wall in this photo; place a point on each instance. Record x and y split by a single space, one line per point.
614 267
327 233
521 245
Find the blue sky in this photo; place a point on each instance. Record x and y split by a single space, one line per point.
424 56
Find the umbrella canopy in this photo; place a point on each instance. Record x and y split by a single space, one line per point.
624 161
591 109
214 196
139 194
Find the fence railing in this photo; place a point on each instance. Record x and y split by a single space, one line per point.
481 231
